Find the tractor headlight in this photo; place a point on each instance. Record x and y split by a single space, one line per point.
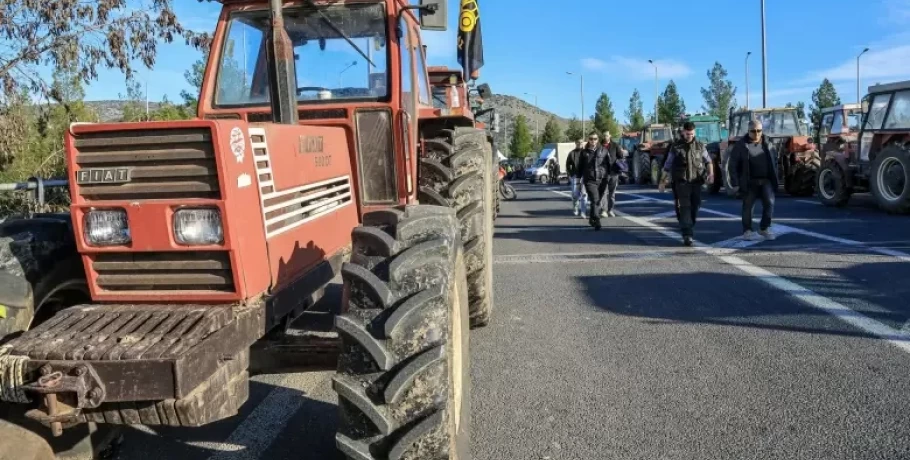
198 226
106 227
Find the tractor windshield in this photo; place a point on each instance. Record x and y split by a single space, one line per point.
340 52
660 135
779 123
707 131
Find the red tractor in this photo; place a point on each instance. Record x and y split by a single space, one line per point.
871 155
649 153
194 240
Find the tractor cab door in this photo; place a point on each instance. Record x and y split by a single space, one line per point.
875 108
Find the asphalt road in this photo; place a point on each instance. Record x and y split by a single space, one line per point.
623 344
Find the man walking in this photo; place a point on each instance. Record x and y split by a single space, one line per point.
688 166
594 170
614 154
574 173
753 167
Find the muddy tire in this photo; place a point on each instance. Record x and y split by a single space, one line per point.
831 186
455 173
28 445
801 181
714 187
403 378
890 180
643 162
725 171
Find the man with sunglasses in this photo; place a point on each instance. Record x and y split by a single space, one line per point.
575 182
594 166
689 167
753 167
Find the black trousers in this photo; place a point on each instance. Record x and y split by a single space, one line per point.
688 202
609 198
595 193
758 188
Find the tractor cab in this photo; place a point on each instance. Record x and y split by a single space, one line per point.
839 128
648 157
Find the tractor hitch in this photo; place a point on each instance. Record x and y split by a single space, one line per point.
67 388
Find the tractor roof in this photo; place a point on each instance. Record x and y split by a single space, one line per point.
888 87
701 117
838 108
658 126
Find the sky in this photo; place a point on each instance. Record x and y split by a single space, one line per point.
530 45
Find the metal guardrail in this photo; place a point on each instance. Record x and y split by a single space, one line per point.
37 185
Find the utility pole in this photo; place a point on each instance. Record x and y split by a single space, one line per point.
859 94
656 94
536 119
747 78
584 132
764 60
147 118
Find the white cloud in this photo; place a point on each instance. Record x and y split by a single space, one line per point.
896 11
639 69
885 64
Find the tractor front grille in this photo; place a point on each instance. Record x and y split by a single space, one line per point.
162 164
205 271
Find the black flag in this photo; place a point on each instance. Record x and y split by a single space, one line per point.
470 42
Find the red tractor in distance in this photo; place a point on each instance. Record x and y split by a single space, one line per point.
871 155
198 239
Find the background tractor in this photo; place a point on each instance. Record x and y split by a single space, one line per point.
875 159
797 157
649 153
709 131
193 241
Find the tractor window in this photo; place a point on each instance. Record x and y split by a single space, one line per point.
440 97
825 128
877 111
328 67
899 117
422 77
854 120
660 135
741 125
779 123
837 125
407 67
707 132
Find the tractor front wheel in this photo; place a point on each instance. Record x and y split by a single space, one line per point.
801 177
890 180
831 186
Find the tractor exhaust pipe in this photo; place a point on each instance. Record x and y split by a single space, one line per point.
282 72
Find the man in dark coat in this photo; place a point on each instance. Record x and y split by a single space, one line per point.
594 168
753 169
614 154
574 173
689 167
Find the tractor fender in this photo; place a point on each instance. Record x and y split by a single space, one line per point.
841 160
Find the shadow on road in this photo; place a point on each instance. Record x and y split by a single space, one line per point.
736 300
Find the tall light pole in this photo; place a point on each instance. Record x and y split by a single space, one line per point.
859 95
747 78
656 93
764 61
536 119
340 74
583 132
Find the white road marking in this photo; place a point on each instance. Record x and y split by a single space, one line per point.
808 202
898 338
662 215
900 255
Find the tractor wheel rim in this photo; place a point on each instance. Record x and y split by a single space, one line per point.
826 184
891 181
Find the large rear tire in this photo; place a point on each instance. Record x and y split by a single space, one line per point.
890 180
454 173
803 177
644 168
403 379
831 186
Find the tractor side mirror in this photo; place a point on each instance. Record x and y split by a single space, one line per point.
495 122
434 15
484 91
865 106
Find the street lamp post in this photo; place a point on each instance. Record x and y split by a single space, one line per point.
764 60
582 93
656 93
859 94
536 119
340 74
747 78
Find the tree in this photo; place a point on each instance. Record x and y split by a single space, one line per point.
635 113
194 77
134 107
825 96
604 119
551 132
720 95
521 138
670 105
574 131
81 37
800 109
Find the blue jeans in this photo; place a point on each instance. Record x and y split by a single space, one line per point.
758 189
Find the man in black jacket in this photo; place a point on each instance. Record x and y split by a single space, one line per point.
753 168
689 166
574 173
594 167
614 153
